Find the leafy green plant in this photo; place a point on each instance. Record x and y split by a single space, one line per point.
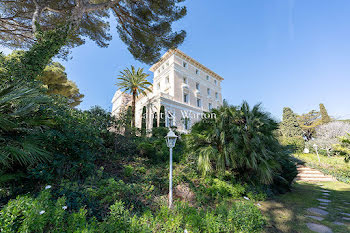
21 123
343 147
239 140
128 170
42 214
220 188
295 144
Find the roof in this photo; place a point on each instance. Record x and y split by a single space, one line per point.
187 58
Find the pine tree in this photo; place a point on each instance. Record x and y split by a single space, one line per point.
289 126
144 26
324 114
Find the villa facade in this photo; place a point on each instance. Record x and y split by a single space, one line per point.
185 88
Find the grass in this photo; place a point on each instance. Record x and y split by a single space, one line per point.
335 165
287 213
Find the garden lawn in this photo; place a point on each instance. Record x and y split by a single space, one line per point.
287 213
334 165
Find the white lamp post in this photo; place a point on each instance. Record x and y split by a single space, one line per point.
170 142
315 147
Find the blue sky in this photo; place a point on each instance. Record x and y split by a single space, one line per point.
293 53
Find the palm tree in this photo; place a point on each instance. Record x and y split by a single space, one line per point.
21 125
135 83
239 140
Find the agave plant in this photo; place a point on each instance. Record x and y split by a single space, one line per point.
240 140
20 125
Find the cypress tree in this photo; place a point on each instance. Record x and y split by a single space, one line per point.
324 115
143 121
162 117
290 126
155 120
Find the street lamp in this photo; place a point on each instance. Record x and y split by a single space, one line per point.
315 147
170 142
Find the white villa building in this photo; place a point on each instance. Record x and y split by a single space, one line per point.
185 88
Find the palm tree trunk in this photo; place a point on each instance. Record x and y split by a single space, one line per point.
133 108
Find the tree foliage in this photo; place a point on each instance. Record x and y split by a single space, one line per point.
308 123
240 140
32 63
344 147
134 82
324 114
162 116
143 121
289 126
327 135
21 123
72 140
53 77
55 80
155 120
144 26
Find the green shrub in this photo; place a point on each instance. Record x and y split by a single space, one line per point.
42 214
296 144
240 217
220 188
128 170
119 219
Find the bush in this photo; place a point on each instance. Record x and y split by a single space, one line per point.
241 141
284 178
41 214
155 148
295 144
219 188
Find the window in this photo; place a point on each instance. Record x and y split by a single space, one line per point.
167 64
186 98
162 67
158 71
216 95
197 86
208 77
215 81
185 80
170 119
184 64
208 91
210 106
199 103
197 71
158 86
167 80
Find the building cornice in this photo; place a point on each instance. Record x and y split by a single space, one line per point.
186 58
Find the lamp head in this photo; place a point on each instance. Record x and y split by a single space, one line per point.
171 139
